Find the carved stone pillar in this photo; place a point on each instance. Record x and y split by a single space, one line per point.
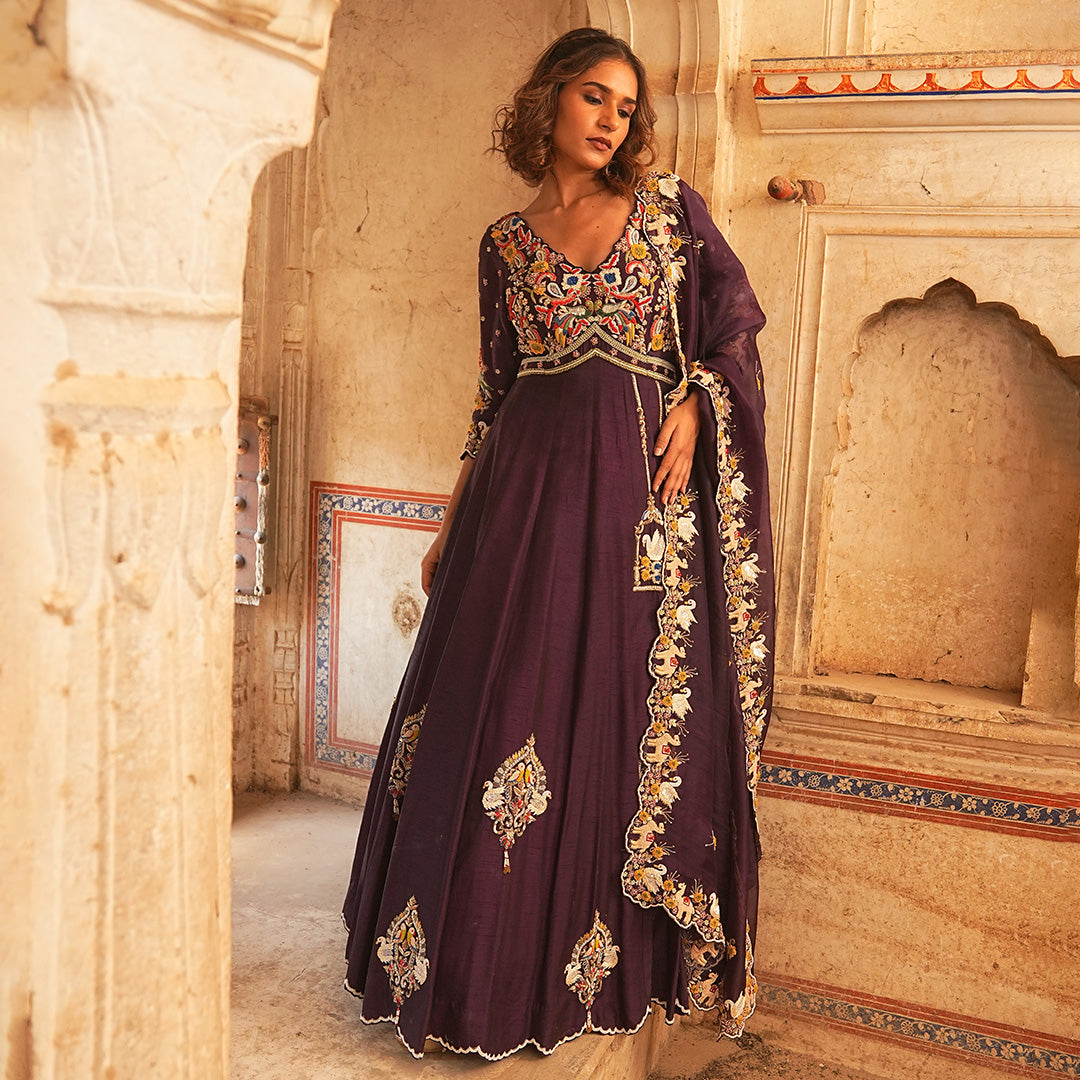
137 175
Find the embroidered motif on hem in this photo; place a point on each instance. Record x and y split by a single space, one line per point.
516 796
593 958
677 1007
401 765
704 962
402 950
736 1013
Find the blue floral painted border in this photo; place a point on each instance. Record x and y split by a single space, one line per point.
925 1031
328 504
1065 821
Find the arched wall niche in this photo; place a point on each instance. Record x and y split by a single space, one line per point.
951 512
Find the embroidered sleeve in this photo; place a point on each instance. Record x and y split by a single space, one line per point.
498 358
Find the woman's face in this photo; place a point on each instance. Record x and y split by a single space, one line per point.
594 113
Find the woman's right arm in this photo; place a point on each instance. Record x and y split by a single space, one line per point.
498 369
430 561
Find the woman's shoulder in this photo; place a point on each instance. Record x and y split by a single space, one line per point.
502 225
660 184
500 232
505 243
663 186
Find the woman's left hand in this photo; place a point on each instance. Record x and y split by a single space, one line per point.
676 442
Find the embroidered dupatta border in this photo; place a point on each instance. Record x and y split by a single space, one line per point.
646 879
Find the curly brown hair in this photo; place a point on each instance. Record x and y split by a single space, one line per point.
523 129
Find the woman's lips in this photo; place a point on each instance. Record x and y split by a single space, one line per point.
600 144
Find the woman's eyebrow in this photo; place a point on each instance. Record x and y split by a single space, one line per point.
608 90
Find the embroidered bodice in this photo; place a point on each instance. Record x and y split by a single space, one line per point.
541 314
563 315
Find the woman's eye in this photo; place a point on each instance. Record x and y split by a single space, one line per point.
592 99
625 114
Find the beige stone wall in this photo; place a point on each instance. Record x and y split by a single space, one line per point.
894 26
408 189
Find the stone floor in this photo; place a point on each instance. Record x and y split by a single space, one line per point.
694 1054
291 1020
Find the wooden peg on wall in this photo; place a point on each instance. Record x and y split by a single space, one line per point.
808 191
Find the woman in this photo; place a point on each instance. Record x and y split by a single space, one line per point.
561 828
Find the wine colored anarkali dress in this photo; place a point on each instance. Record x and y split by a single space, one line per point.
561 826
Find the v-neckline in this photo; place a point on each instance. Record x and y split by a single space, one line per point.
558 256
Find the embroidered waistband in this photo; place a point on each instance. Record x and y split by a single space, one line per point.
598 343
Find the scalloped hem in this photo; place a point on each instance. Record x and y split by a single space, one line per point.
679 1008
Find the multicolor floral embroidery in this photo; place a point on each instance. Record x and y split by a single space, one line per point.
593 958
741 572
554 304
663 224
484 399
401 765
402 950
646 879
516 796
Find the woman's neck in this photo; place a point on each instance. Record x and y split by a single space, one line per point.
563 188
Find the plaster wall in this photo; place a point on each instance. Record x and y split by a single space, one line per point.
854 27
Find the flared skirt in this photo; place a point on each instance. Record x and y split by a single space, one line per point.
491 904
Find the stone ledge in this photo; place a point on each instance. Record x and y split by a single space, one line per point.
925 727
